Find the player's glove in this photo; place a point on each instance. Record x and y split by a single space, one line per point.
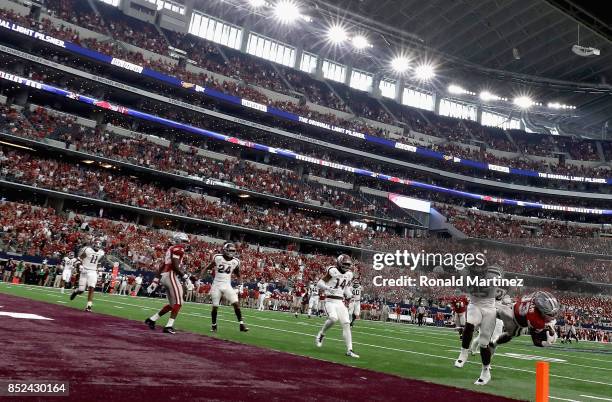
551 334
550 339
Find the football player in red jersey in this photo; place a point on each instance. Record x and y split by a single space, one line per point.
459 305
299 289
533 314
168 273
569 329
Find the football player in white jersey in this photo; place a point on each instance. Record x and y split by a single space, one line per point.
313 299
481 314
89 260
68 264
337 287
501 299
354 307
224 265
262 286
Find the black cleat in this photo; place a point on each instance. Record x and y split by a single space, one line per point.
213 328
73 295
150 323
169 330
88 309
243 328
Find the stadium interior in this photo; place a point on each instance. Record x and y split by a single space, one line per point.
300 130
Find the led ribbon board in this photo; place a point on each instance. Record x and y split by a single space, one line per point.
285 152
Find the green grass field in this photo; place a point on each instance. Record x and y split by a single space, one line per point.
579 372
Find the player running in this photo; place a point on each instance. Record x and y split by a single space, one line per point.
89 260
168 274
459 305
337 287
501 299
481 314
313 299
354 307
224 265
68 264
299 290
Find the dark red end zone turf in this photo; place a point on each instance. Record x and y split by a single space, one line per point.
113 359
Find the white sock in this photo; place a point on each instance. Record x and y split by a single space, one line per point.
89 304
348 337
170 322
154 317
328 324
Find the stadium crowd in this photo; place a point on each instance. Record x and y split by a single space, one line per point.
265 75
143 152
106 185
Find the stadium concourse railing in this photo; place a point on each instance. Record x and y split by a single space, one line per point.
207 182
302 138
283 114
286 153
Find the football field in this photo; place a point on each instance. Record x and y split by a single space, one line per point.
578 372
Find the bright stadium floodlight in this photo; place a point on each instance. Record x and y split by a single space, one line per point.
424 72
258 3
524 102
360 42
336 34
456 89
488 96
557 105
286 11
399 64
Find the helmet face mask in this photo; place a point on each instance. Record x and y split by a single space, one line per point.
229 250
344 263
97 244
547 305
180 238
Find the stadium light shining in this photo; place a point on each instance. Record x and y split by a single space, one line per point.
399 64
457 90
424 72
286 11
557 105
258 3
488 96
360 42
336 34
524 102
